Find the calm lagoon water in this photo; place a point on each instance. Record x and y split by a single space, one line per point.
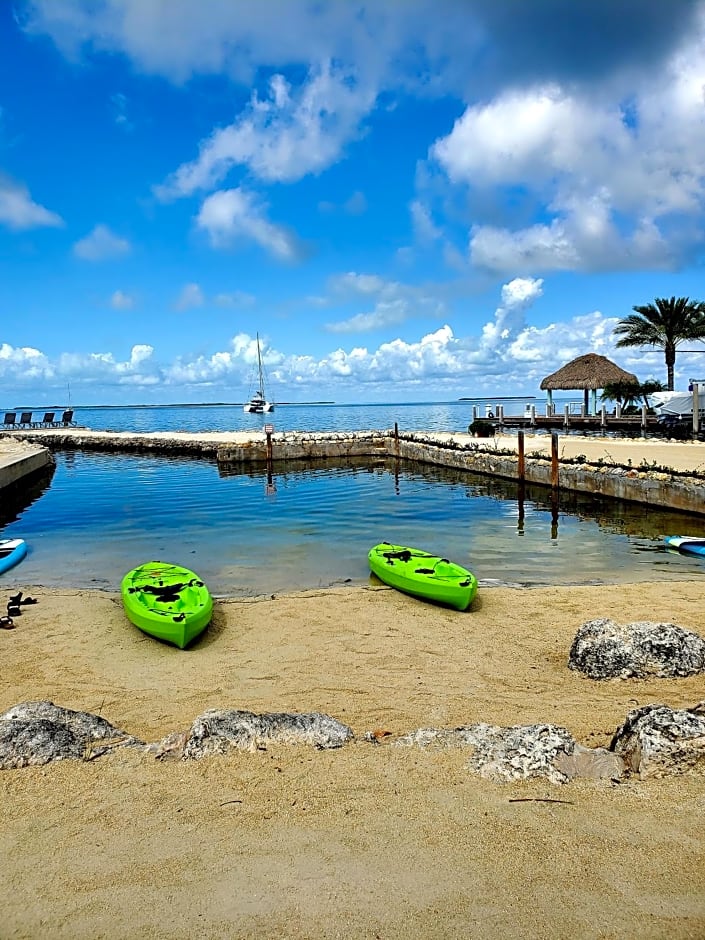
102 514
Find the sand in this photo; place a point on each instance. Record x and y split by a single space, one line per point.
366 841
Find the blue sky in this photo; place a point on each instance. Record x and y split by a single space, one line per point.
409 200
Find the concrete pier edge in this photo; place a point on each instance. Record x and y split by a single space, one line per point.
662 485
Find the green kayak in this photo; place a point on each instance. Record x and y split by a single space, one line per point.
423 575
167 601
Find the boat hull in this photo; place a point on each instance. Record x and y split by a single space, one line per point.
167 602
686 543
12 551
423 575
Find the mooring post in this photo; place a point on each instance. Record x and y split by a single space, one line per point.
269 430
396 439
554 460
520 452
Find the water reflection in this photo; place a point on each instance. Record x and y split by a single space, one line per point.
295 524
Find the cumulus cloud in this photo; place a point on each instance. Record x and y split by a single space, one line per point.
394 302
232 215
281 138
19 211
101 243
615 185
517 296
423 42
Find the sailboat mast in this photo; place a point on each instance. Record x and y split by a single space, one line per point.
259 365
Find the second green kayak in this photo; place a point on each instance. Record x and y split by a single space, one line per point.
423 575
167 601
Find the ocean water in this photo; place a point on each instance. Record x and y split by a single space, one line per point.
428 416
102 514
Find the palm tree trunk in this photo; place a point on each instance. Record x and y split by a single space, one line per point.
670 349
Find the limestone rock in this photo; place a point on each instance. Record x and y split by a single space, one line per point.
521 752
40 732
603 649
658 741
217 731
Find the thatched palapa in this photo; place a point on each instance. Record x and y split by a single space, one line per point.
588 373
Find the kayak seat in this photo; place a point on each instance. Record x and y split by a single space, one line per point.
399 556
425 571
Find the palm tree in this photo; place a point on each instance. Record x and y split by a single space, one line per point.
628 394
664 323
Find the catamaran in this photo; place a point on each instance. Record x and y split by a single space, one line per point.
258 403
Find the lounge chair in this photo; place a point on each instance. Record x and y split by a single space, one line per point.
66 420
10 419
25 419
47 421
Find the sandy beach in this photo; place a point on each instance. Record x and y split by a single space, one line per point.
364 841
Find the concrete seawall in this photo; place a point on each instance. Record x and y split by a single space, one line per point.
667 474
21 462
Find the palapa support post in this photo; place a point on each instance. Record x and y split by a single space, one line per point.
566 416
554 485
696 409
644 420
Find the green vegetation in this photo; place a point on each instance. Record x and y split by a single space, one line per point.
630 395
665 324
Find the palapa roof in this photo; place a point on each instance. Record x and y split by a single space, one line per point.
588 372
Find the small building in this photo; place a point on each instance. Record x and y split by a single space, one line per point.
587 373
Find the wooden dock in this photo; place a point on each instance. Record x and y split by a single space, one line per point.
631 424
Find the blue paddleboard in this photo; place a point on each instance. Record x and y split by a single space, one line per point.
686 543
12 551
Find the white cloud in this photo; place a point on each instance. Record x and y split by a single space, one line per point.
234 214
19 211
386 313
394 302
100 244
281 138
191 296
517 296
122 301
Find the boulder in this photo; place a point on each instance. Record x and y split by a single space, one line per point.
217 731
40 732
658 741
521 752
603 649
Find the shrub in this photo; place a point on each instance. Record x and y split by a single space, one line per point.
481 428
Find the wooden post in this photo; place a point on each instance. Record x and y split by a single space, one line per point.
566 416
521 469
603 417
532 419
644 419
396 439
270 488
554 460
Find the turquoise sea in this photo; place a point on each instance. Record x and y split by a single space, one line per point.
101 514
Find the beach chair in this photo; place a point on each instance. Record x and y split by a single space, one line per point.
47 421
10 419
25 419
66 420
